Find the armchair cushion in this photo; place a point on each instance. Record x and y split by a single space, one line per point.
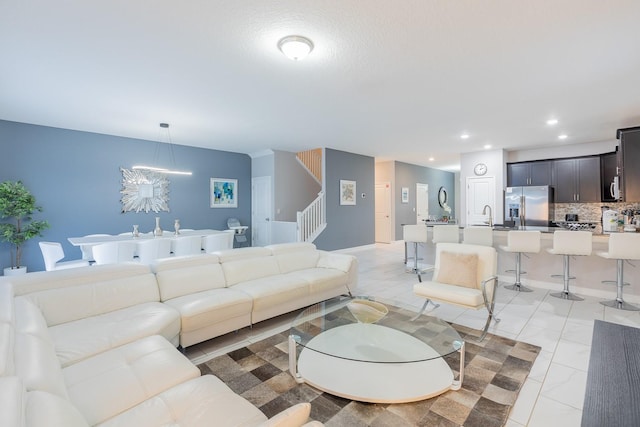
458 269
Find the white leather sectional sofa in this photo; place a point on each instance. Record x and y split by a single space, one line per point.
97 345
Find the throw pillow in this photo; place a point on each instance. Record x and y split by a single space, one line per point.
458 269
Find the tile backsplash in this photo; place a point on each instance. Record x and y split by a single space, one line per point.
589 212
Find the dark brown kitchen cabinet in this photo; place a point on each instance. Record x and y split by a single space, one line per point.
528 173
628 164
576 180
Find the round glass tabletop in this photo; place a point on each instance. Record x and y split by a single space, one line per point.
366 330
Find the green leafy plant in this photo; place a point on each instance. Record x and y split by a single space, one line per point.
18 205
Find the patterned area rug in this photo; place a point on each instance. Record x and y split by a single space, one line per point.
495 370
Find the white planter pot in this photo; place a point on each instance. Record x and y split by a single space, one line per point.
15 271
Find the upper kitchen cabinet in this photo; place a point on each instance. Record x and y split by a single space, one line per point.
529 173
576 180
628 161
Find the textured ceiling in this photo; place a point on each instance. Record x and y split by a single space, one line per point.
391 79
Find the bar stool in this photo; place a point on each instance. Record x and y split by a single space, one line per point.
482 236
622 247
446 234
520 242
415 234
570 243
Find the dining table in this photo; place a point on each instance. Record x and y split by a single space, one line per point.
128 237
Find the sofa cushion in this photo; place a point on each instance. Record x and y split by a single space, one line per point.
36 362
292 261
206 308
295 416
45 409
186 261
281 294
244 270
7 332
342 262
242 253
187 281
12 401
121 378
321 279
67 304
198 402
283 248
458 295
46 280
83 338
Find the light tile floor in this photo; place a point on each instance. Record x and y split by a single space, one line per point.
553 393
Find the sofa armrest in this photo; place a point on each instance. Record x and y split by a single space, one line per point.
296 416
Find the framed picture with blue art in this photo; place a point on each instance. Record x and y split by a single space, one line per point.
224 193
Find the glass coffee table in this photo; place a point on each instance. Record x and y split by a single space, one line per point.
365 350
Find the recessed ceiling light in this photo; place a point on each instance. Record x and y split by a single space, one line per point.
464 136
563 136
431 159
487 146
552 122
295 47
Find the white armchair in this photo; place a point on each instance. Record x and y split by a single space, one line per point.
464 275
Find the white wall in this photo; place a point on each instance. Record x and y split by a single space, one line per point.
496 167
562 151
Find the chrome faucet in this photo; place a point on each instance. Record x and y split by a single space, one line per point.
484 212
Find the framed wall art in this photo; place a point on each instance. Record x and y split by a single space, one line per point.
347 192
224 193
405 194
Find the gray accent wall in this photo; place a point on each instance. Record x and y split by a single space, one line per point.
75 176
348 226
408 175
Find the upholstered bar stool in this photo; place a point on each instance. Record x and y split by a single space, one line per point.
567 244
415 234
622 247
520 242
482 236
446 234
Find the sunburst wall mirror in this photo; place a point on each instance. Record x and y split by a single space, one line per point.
144 190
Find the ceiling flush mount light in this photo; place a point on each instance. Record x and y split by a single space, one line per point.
431 159
156 155
295 47
552 122
464 136
487 146
563 136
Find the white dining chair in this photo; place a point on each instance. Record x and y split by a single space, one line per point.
114 252
187 245
52 253
217 242
152 249
87 250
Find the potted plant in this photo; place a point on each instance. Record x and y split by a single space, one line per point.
17 205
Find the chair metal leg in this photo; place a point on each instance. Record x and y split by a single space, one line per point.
491 309
565 294
424 307
619 303
518 286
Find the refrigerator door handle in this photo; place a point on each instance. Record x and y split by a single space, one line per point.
523 211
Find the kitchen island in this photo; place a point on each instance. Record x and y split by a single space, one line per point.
589 271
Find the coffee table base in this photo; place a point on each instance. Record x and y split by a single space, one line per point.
372 381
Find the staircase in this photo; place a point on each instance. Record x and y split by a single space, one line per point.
312 220
312 161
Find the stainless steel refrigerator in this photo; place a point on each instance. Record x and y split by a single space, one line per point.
530 207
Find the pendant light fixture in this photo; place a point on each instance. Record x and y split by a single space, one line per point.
157 155
295 47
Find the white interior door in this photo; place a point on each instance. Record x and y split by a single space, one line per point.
422 202
383 212
261 211
480 192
